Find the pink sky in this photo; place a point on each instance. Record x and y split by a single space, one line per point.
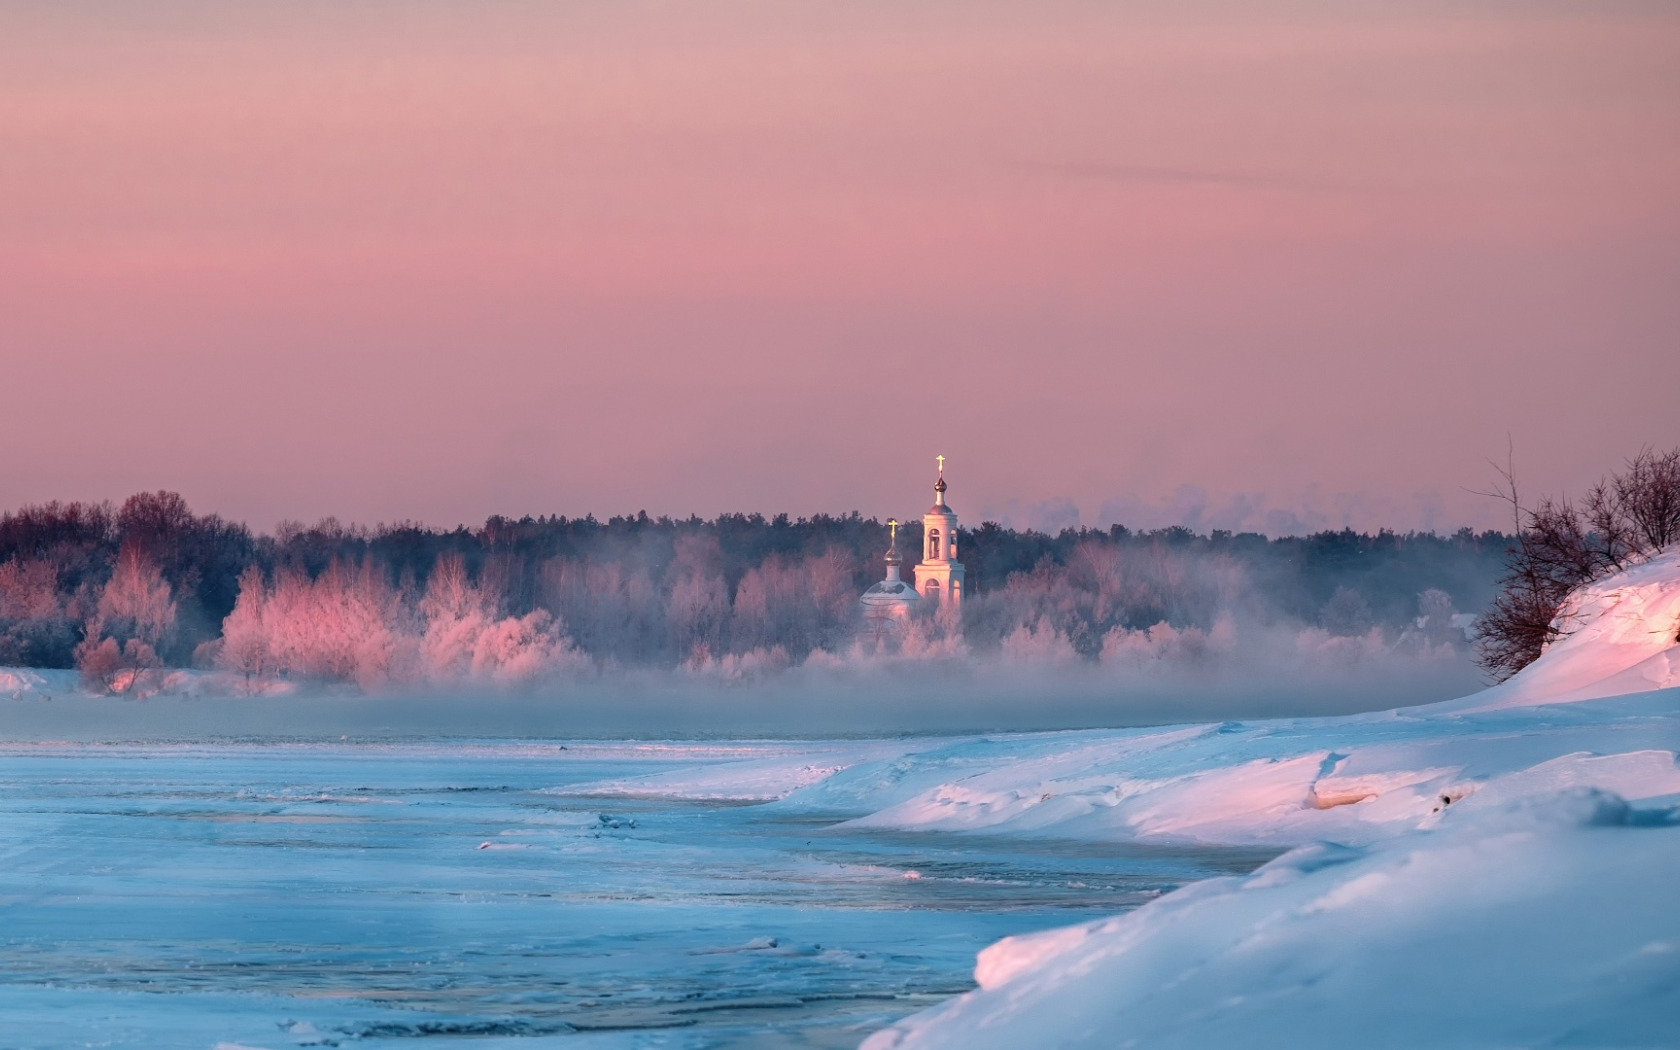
440 259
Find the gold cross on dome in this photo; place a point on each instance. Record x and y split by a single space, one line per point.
892 529
941 460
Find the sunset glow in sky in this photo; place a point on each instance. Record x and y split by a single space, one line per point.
1143 262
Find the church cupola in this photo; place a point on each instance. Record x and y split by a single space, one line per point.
888 602
893 559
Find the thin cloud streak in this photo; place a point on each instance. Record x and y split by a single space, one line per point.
1147 174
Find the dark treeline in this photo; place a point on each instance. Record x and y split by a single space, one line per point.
58 561
151 583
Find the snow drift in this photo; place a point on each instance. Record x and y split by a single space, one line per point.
1493 871
1543 924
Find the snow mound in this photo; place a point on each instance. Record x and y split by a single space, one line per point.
1283 783
18 683
1623 636
1530 923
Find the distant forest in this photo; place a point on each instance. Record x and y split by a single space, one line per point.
151 584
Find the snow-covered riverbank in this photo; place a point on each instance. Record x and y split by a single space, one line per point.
1496 871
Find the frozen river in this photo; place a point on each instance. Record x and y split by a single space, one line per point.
478 894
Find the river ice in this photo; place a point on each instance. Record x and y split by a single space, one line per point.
499 893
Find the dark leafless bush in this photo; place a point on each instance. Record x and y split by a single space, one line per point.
1561 546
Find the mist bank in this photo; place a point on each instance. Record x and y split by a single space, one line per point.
889 698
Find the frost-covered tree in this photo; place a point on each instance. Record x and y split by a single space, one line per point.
796 604
1347 614
464 637
455 613
1038 642
1106 588
245 647
28 590
345 625
698 607
614 610
524 648
349 624
134 616
111 666
137 601
1435 619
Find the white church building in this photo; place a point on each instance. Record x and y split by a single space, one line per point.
939 575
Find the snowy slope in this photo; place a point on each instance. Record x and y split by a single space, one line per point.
1621 638
1491 872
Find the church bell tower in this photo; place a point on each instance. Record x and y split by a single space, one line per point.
939 577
